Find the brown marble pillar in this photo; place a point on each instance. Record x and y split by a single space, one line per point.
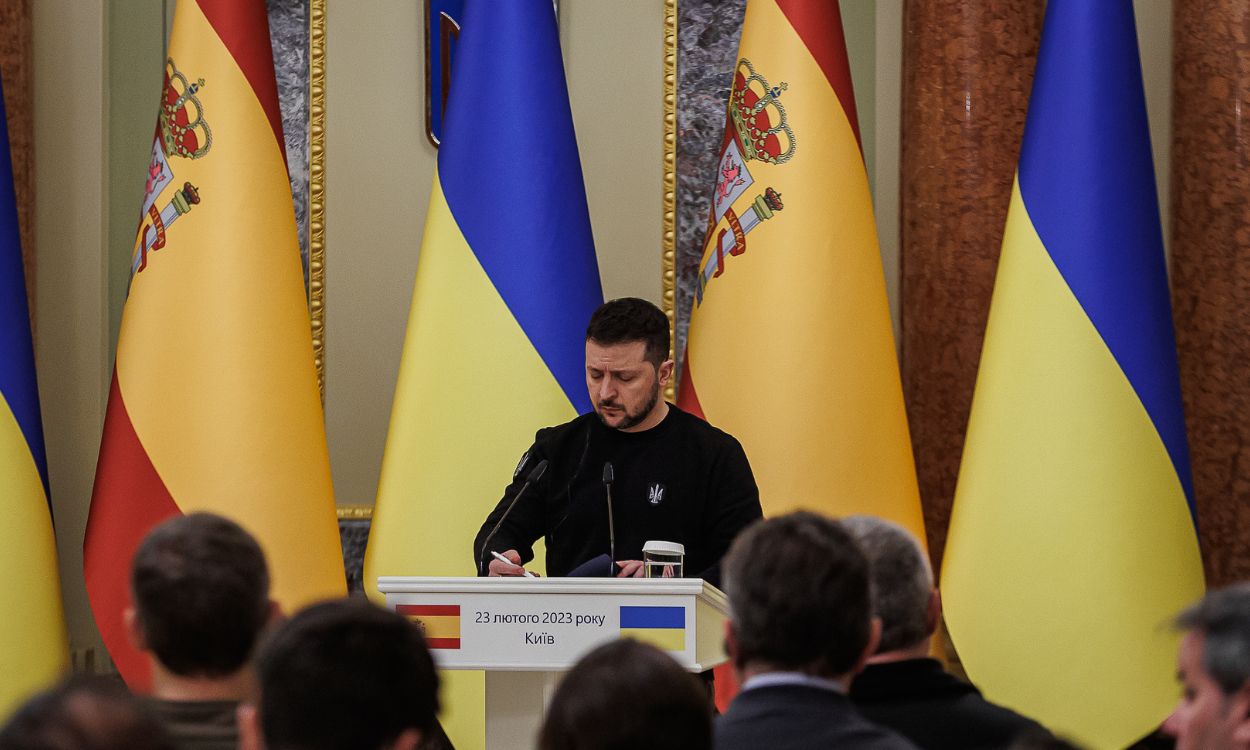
18 75
967 69
1210 196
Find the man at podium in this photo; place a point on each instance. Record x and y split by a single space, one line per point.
666 474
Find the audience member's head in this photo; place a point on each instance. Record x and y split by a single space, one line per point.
799 598
84 714
201 596
1214 669
341 675
626 695
904 598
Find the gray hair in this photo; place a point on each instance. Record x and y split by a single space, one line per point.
1223 619
901 579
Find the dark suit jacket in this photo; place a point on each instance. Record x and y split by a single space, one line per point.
799 717
932 708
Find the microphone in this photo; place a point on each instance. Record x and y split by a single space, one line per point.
534 476
608 477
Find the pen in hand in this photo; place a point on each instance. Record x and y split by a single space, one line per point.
500 557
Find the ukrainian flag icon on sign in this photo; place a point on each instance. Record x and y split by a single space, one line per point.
662 627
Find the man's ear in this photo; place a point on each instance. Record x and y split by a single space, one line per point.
408 739
275 615
731 645
134 631
933 612
870 648
248 720
1239 712
666 371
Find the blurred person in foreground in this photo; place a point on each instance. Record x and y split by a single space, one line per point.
626 695
902 687
200 588
343 675
1214 670
800 627
84 713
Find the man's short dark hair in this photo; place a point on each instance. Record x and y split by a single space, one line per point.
1223 619
345 674
629 319
201 594
84 713
626 695
799 595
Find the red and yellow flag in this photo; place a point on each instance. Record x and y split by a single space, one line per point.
791 347
214 403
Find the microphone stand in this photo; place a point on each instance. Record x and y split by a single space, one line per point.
608 477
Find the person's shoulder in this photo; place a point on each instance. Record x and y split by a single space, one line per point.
990 718
700 427
799 717
556 433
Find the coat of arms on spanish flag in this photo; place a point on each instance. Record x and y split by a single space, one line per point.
214 403
791 348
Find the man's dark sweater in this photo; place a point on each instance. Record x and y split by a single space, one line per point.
932 708
680 481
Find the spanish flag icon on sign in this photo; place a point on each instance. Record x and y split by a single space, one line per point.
439 622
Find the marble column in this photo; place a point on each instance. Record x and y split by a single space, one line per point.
1210 196
17 73
967 69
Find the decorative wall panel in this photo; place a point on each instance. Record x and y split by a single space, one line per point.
967 70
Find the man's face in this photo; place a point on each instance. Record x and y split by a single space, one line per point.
1205 718
624 387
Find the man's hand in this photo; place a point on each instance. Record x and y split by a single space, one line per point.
630 569
498 568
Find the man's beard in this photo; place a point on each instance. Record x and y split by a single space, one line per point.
632 420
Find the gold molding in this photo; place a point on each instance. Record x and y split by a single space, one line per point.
668 241
317 186
355 512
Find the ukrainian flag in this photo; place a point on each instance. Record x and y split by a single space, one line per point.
33 649
662 627
506 282
1072 540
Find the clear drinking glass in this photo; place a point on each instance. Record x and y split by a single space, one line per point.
664 559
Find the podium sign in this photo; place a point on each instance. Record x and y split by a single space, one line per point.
547 624
524 631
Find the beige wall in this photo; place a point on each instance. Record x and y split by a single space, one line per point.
71 187
93 112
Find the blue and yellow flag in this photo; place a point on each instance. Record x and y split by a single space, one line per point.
1072 540
33 649
506 282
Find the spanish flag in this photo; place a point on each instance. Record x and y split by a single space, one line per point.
214 403
1072 540
506 282
33 649
791 348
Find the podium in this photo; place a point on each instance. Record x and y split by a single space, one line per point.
525 631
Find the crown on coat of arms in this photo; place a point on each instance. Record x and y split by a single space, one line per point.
183 129
759 117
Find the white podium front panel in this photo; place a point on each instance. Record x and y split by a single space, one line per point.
547 624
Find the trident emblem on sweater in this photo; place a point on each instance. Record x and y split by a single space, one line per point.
655 493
